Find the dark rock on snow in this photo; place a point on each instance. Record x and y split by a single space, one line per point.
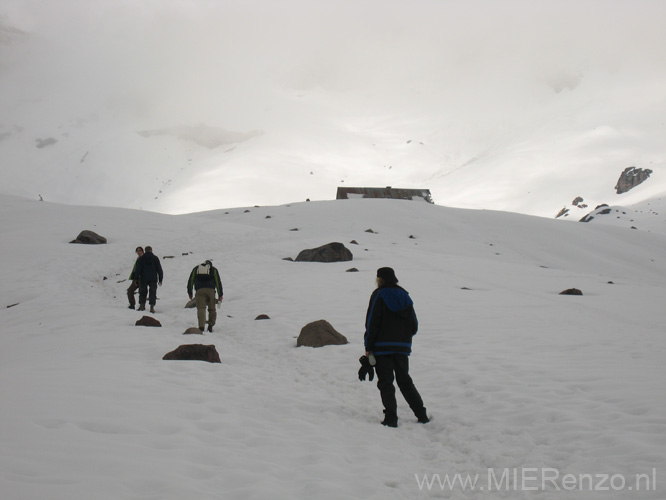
571 291
320 333
147 321
194 330
562 212
89 238
332 252
262 316
42 143
602 209
194 352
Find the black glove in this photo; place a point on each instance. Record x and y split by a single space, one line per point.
366 369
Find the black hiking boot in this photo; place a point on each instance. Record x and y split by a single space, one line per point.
390 419
142 307
422 416
152 309
210 328
131 307
201 328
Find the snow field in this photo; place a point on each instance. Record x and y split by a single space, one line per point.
513 374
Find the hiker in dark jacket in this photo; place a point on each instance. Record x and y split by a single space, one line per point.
205 279
148 271
390 324
134 286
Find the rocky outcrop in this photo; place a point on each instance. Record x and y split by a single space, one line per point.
571 291
320 333
332 252
89 238
600 210
630 178
562 212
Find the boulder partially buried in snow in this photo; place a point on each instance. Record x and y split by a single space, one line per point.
331 252
147 321
194 352
320 333
89 238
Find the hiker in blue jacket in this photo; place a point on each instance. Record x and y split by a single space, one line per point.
148 271
390 324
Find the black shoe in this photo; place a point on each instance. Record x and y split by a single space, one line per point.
390 419
131 307
210 328
142 307
201 328
422 416
152 309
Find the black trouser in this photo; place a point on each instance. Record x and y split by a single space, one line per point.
143 292
397 364
130 292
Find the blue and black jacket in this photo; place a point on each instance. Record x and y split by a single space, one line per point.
390 322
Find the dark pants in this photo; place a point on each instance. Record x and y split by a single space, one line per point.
130 292
143 293
396 366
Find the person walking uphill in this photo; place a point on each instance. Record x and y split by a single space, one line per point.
205 279
134 286
148 271
390 324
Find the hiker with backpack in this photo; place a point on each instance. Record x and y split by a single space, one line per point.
205 279
390 324
134 286
148 271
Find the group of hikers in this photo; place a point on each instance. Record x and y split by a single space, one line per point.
147 274
390 324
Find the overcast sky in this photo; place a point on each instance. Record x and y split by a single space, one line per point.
473 79
229 55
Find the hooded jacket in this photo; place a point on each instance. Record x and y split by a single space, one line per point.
148 268
390 322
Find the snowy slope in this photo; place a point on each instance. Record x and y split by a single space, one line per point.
513 106
514 376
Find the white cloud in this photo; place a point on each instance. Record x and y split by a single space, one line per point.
477 78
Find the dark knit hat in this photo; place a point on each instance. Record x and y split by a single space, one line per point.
387 274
